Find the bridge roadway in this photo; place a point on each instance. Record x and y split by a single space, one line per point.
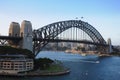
65 40
10 38
52 40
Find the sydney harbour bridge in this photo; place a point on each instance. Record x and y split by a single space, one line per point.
63 31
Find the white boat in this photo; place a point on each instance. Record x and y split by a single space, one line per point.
83 54
97 61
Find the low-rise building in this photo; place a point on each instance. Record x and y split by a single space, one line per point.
13 64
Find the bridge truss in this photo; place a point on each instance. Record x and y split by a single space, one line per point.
44 35
6 40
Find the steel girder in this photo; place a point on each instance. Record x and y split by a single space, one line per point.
52 30
3 42
7 40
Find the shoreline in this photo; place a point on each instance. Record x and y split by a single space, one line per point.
34 74
50 73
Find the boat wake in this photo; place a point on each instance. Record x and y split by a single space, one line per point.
89 61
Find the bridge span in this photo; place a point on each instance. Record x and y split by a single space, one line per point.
35 40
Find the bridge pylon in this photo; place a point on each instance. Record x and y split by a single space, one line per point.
110 50
26 33
14 31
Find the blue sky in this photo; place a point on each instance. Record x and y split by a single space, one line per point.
104 15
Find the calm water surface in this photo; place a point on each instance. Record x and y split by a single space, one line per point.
89 67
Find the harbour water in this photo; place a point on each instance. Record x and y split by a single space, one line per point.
90 67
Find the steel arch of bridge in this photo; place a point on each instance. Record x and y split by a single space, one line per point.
52 30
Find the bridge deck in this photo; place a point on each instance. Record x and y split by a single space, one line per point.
53 40
65 40
10 38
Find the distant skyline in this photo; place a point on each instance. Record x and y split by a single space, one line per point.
104 15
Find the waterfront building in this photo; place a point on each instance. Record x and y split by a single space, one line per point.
13 64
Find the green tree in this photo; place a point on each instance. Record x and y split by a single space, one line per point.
42 63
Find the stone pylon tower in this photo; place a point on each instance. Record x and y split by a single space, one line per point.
14 31
26 33
110 46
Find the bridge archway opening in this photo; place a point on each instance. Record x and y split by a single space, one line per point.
74 33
